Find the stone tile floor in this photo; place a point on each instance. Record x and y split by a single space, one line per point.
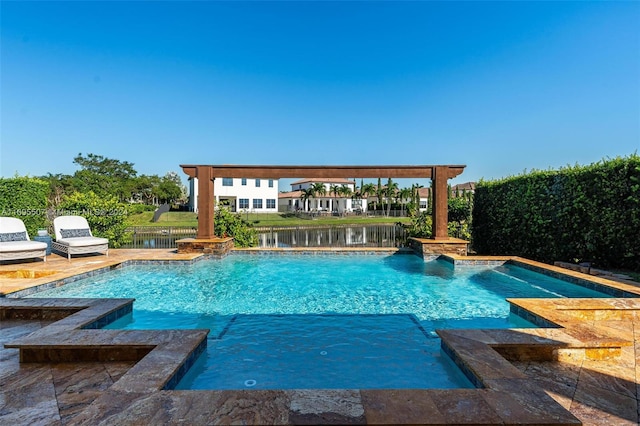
600 389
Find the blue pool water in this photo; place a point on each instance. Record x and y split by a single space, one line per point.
321 321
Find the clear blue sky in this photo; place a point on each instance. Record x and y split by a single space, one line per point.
498 86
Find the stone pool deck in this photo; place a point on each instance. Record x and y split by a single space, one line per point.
56 367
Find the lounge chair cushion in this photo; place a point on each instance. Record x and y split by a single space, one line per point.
75 233
12 246
13 236
83 241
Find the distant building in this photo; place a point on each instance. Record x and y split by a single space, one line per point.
461 188
327 202
240 194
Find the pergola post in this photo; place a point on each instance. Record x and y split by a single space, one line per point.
206 174
205 199
440 212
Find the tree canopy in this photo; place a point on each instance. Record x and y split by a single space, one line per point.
115 178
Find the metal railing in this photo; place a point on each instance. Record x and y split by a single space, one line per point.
158 237
390 235
387 235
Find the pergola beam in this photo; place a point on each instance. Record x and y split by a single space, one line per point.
440 174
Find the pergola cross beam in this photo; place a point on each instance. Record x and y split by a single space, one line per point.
439 174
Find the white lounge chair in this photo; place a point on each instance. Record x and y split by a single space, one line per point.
15 242
73 236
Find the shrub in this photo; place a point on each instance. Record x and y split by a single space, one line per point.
228 224
588 213
140 208
106 216
26 199
420 226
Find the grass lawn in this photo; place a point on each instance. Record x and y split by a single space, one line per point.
258 219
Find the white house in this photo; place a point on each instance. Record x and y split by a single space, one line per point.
240 194
330 201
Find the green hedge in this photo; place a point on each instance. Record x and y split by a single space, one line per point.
579 213
25 198
106 216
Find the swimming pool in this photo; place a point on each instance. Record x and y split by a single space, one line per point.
328 322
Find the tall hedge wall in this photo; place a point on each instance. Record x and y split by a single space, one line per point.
25 198
585 213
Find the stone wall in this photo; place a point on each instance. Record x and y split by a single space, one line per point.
214 246
429 248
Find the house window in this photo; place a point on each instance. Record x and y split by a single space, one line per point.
270 183
257 183
257 203
227 181
243 203
244 181
271 203
423 204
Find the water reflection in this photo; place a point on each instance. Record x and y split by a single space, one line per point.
353 236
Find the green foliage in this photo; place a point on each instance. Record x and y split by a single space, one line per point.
104 176
229 224
421 225
106 216
459 210
26 199
140 208
590 213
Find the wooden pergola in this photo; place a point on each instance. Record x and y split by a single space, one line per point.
439 174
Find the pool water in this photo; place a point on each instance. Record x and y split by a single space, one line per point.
321 322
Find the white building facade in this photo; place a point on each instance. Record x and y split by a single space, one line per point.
330 201
240 194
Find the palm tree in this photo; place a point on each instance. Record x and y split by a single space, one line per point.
318 189
304 197
390 192
379 195
404 194
345 192
334 189
367 190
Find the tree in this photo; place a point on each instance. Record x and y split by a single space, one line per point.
404 194
167 191
305 194
318 188
335 190
379 195
104 176
345 191
367 190
389 192
59 185
175 178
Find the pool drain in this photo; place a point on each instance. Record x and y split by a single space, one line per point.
323 353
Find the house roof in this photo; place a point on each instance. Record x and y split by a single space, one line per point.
298 194
290 194
325 180
469 186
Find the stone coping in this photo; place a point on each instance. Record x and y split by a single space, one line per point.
504 395
144 392
163 356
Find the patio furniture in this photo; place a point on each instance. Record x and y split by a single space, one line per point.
73 236
15 242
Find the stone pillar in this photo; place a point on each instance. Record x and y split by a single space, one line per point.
205 202
440 202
